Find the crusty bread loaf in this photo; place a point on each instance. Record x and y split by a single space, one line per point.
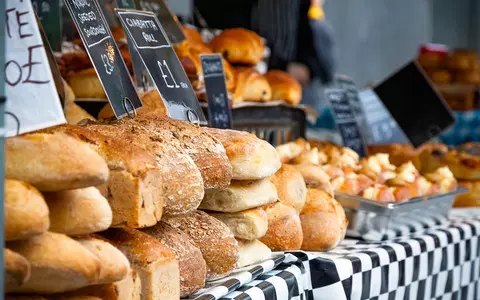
240 195
26 213
249 224
152 103
208 154
322 208
53 162
79 211
193 269
251 157
17 270
252 252
114 264
219 247
151 259
290 185
74 114
239 46
58 264
284 228
181 180
134 188
284 87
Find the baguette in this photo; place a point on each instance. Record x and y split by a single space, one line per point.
291 187
53 162
26 213
193 269
251 157
252 252
247 225
239 196
58 264
216 242
151 259
182 181
17 270
80 211
133 190
284 228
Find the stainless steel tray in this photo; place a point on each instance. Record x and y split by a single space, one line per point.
376 221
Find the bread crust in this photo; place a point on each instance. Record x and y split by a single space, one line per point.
17 270
248 225
239 46
291 187
252 252
86 84
251 86
284 87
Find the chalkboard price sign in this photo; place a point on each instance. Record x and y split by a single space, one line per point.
105 56
219 114
50 15
345 120
149 39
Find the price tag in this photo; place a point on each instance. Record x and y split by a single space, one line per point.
105 56
345 120
33 101
167 18
219 113
49 13
414 103
162 63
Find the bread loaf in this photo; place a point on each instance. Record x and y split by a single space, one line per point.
249 224
53 162
291 188
80 211
193 269
152 103
17 270
74 114
181 180
284 228
134 188
321 208
252 252
240 195
26 213
58 264
114 264
251 157
219 247
151 259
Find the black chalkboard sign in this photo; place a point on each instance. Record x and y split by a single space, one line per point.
162 63
167 18
50 15
219 113
106 58
345 120
414 103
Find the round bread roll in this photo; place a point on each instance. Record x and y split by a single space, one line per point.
284 228
239 46
86 84
322 208
284 87
251 86
290 185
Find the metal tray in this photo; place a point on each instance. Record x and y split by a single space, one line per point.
377 221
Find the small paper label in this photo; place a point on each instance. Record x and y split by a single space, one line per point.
219 113
33 101
161 61
105 56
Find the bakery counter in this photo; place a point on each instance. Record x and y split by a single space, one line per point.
442 262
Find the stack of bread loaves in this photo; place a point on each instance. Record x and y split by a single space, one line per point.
52 210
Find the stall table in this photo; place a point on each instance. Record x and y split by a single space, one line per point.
441 263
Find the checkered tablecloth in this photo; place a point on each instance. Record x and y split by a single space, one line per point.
439 264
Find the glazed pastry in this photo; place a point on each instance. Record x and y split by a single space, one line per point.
239 46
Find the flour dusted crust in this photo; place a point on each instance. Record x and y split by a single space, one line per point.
239 46
251 158
284 228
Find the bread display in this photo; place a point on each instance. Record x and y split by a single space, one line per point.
248 225
192 266
26 213
55 162
80 211
239 46
250 157
290 186
284 87
284 228
16 270
214 239
58 264
252 252
251 86
151 259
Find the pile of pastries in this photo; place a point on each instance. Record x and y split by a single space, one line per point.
339 169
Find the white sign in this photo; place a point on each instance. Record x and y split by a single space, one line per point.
32 99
